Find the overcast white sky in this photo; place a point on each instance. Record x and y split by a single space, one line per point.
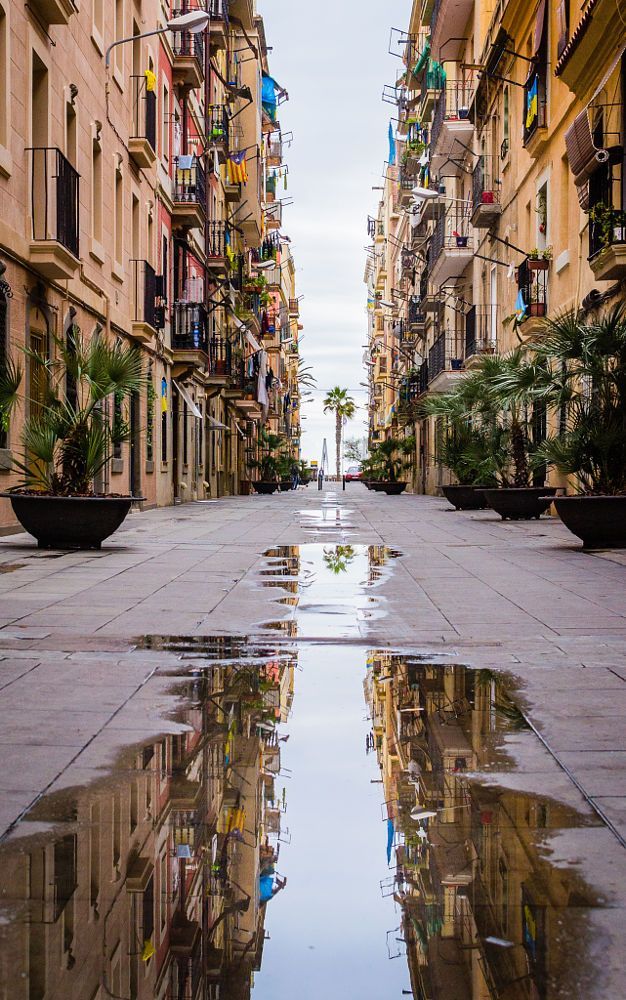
333 60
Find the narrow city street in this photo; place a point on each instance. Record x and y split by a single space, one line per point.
500 644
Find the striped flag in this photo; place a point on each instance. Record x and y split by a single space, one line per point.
237 169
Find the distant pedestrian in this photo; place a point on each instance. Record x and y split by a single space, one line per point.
320 479
295 477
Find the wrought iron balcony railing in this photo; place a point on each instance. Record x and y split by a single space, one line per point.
446 354
481 330
189 181
187 43
217 123
189 327
485 183
452 231
453 104
216 239
221 355
54 197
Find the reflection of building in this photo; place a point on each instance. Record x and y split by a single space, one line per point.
155 883
467 857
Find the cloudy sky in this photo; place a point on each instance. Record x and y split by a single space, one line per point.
333 60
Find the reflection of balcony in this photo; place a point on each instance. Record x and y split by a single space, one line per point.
188 51
452 129
188 192
142 143
54 201
452 245
189 332
486 207
481 326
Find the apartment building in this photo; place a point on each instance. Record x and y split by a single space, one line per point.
138 195
504 196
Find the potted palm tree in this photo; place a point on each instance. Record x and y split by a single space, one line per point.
579 370
68 442
270 465
338 401
387 461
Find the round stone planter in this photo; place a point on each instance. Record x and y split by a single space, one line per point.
70 522
465 497
265 487
600 522
391 489
520 503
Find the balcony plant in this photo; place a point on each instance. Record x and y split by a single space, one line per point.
609 224
579 371
67 442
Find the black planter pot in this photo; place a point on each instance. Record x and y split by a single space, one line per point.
70 522
465 497
600 522
520 503
391 489
265 487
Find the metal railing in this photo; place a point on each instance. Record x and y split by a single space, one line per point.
533 284
481 330
144 292
221 355
216 239
144 110
453 104
54 197
187 43
274 147
416 315
189 181
218 9
446 354
607 227
189 329
217 123
485 184
535 103
452 231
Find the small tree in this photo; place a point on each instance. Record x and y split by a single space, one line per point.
338 401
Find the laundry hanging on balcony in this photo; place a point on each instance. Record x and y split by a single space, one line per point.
423 60
271 96
392 146
151 80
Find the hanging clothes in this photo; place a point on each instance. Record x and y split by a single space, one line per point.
261 392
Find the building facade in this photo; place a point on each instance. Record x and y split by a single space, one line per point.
503 201
138 197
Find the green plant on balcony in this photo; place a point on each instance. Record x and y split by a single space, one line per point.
609 224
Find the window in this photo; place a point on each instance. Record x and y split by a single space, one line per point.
185 441
71 139
98 17
96 192
119 216
71 391
562 26
535 88
165 135
506 125
119 33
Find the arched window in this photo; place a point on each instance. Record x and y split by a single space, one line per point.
71 335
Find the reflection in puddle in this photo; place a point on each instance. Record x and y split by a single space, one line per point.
327 586
385 829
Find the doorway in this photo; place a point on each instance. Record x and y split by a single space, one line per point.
135 444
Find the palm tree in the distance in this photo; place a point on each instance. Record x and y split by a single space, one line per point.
343 406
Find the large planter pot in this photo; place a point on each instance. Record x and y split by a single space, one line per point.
265 487
391 489
520 503
600 522
70 522
465 497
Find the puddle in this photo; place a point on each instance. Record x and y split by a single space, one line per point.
327 587
333 822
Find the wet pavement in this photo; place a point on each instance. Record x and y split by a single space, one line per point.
313 744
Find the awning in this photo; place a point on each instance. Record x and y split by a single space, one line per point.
254 344
584 157
182 392
216 425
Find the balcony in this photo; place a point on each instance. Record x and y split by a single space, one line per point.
54 11
218 129
445 361
55 214
221 357
452 245
452 130
216 243
433 82
447 28
405 187
535 111
481 329
142 143
274 216
274 150
188 52
486 206
144 292
218 25
417 318
532 281
190 341
294 307
188 193
607 242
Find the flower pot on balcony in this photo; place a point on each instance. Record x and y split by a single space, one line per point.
599 521
524 503
487 198
456 364
537 309
461 241
463 114
70 522
537 265
465 497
